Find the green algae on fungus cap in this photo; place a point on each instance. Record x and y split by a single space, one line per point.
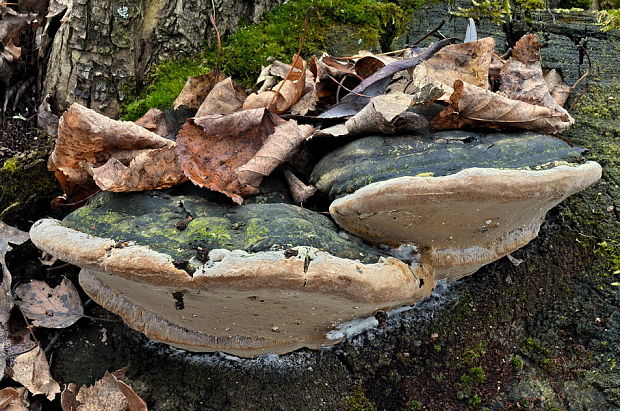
464 199
272 277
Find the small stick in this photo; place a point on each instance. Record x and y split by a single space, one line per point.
218 61
340 85
430 33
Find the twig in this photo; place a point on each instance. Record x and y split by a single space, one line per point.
297 56
58 267
507 54
430 33
82 200
219 41
340 85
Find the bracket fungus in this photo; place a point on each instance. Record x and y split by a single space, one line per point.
463 199
247 280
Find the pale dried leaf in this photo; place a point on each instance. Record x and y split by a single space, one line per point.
211 148
13 23
284 94
12 51
515 261
110 393
308 100
277 148
57 307
468 62
559 90
148 170
14 399
225 98
153 120
68 402
46 120
8 235
299 191
33 372
197 88
379 114
87 140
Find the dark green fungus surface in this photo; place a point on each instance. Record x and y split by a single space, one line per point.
183 226
372 159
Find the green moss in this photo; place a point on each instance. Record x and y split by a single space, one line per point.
516 362
358 402
255 231
25 182
475 400
414 405
371 22
475 376
609 19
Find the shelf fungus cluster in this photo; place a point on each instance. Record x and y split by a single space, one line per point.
231 263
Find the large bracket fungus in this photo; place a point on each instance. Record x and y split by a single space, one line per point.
246 280
463 199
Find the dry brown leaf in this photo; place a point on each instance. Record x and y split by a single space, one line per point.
12 24
284 94
560 91
12 52
308 100
87 140
472 106
148 170
327 77
32 371
211 148
153 120
57 307
197 88
468 62
109 393
299 191
378 115
14 399
8 235
277 148
225 98
67 398
46 120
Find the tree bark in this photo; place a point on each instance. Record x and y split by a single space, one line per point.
106 47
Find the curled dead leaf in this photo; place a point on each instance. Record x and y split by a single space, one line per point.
226 97
472 106
57 307
197 88
277 148
299 191
32 370
109 393
87 140
284 94
211 148
14 399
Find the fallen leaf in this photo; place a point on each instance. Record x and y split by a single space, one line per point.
559 90
13 23
472 106
515 261
109 393
522 76
32 370
8 235
379 114
12 52
67 398
277 148
87 140
327 78
309 98
165 123
57 307
197 88
14 399
148 170
46 120
211 148
299 191
284 94
377 83
468 62
225 98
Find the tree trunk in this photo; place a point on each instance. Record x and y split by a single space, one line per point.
105 48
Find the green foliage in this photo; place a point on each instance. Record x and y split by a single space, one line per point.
475 400
498 11
371 22
475 375
608 19
517 363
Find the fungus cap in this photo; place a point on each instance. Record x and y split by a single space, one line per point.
242 303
